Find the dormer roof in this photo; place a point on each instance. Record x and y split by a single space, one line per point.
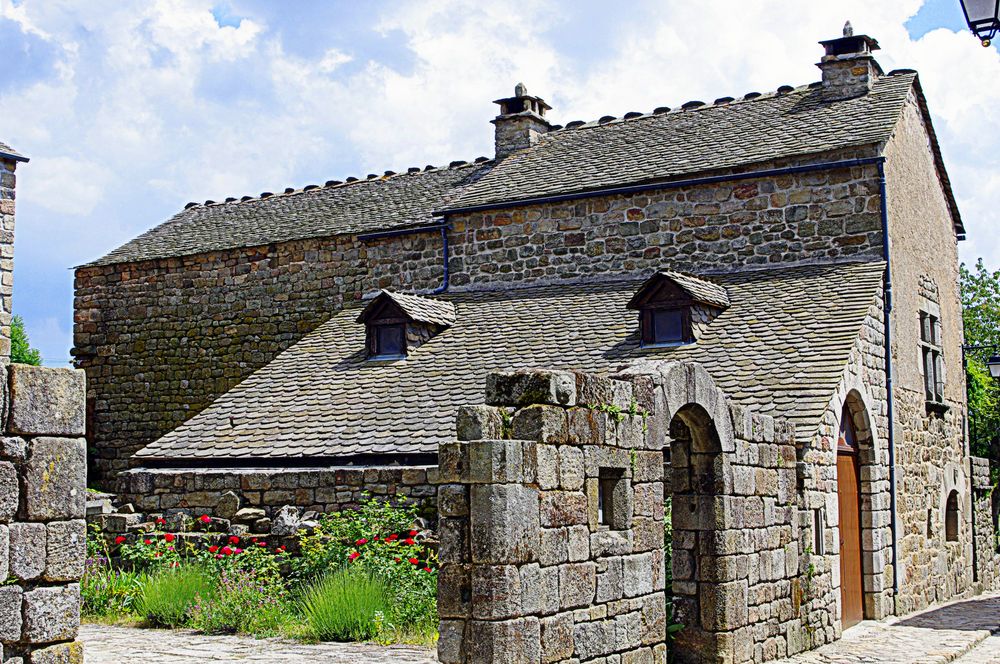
416 308
694 289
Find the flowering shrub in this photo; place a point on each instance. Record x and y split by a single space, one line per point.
243 601
105 590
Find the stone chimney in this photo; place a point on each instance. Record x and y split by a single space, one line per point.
8 164
521 121
848 67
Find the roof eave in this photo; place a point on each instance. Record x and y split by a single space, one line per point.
13 156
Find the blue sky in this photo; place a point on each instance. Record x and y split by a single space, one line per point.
130 109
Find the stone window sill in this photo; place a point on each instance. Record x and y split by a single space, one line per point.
936 407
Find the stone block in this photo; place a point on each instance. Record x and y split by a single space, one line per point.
507 642
9 492
496 592
451 642
228 506
547 474
479 423
61 653
27 550
725 608
46 401
557 638
500 461
52 614
55 479
553 546
10 613
119 523
453 500
544 424
539 589
454 536
577 585
4 552
66 550
578 543
527 387
637 574
594 639
504 523
453 462
14 448
454 591
571 468
563 508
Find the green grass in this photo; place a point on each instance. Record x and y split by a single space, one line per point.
169 595
107 591
348 605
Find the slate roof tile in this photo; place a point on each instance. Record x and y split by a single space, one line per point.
777 348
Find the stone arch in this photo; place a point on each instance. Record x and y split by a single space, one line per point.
956 488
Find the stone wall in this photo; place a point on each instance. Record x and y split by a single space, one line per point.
318 489
161 339
43 469
7 202
552 540
985 524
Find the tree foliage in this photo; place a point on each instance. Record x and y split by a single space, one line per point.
981 317
21 351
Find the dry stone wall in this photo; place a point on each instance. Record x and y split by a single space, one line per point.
161 339
984 508
43 472
552 524
7 190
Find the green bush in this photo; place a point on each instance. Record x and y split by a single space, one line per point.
347 605
170 595
243 602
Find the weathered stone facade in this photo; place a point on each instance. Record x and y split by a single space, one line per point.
8 182
160 340
320 489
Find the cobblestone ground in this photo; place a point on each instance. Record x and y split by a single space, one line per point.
957 632
115 645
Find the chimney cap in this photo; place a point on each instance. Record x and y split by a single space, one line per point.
522 102
849 43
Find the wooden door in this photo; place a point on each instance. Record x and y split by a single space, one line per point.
850 537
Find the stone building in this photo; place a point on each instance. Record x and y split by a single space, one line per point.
794 251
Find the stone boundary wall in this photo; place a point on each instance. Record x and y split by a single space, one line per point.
8 182
319 489
552 532
161 339
43 473
985 523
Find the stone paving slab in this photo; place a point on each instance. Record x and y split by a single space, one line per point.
959 631
114 645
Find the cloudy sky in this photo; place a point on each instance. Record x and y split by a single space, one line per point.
129 109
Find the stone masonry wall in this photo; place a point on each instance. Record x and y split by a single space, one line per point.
318 489
42 531
7 203
161 339
985 524
552 538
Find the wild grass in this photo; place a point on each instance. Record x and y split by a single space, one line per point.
169 595
347 605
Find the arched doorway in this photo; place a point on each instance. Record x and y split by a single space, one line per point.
697 482
849 502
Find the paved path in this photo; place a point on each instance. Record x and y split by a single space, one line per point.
961 632
957 632
115 645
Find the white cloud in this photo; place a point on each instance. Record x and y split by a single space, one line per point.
151 104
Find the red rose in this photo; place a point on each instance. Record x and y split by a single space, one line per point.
169 537
409 541
120 539
392 538
361 541
226 551
427 569
205 518
161 522
398 560
414 561
354 555
281 548
234 540
147 541
413 533
262 544
213 549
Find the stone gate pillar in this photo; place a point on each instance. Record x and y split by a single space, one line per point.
551 519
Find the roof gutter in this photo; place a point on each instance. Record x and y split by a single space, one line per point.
890 399
671 184
440 227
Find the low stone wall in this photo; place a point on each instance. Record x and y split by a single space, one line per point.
43 474
322 489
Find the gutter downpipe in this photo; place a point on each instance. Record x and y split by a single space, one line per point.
441 227
890 399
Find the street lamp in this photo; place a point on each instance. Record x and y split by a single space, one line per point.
983 17
994 365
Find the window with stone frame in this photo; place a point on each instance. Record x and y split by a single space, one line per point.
932 361
951 518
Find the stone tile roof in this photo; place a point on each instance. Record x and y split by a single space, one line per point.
375 204
699 290
11 153
417 307
776 348
660 146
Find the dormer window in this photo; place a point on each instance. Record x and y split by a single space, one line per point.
675 308
396 324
